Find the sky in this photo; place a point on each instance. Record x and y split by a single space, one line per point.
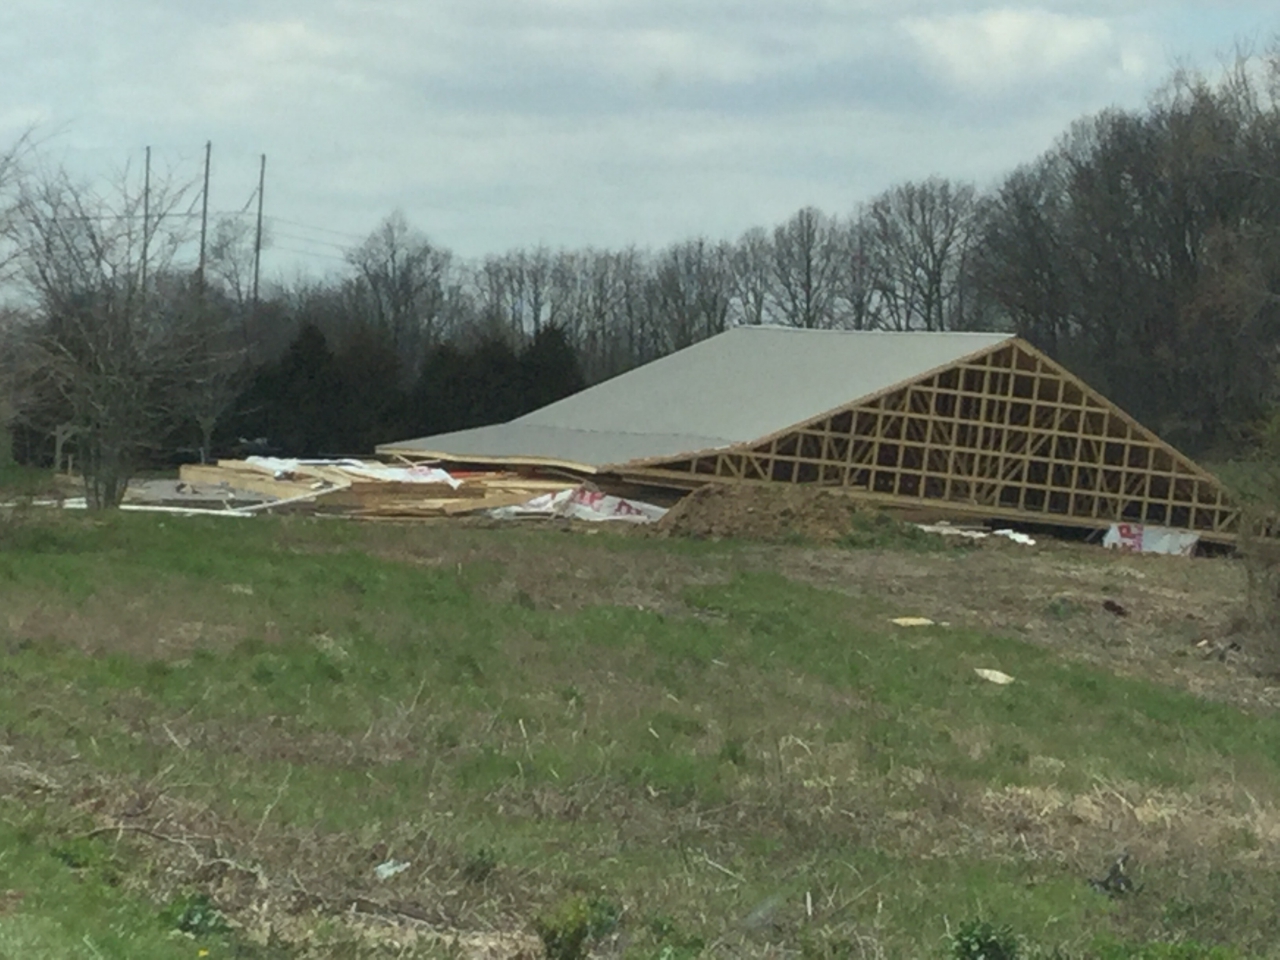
500 124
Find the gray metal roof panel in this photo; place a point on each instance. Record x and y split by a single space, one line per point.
535 443
735 387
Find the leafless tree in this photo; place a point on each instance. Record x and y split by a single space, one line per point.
921 232
856 281
105 339
805 264
513 291
752 263
692 286
230 257
406 281
10 319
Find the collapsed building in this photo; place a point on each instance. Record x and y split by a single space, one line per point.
968 425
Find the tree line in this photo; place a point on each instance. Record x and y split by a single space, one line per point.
1142 250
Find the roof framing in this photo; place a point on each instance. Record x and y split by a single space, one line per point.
1003 433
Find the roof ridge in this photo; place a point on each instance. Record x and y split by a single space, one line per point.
780 328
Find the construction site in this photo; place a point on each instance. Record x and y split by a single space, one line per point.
787 625
970 429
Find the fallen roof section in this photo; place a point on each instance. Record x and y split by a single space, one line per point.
732 388
958 424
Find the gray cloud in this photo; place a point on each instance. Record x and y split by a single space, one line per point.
498 123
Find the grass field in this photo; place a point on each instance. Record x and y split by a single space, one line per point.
214 733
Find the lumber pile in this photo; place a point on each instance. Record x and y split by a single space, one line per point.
366 489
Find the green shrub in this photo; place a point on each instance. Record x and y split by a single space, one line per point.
195 914
566 931
734 751
979 940
673 944
880 531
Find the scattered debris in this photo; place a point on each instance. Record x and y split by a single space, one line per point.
763 914
946 529
359 488
1141 538
1212 650
1016 537
390 868
1117 882
995 676
912 621
1112 607
583 503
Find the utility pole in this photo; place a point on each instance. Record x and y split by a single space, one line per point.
257 240
204 210
146 220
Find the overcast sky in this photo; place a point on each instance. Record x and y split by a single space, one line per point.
496 124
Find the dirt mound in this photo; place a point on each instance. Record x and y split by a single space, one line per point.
767 512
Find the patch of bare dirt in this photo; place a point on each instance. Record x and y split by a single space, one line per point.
1168 619
773 512
153 625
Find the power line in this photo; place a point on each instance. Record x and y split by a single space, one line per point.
111 217
306 253
320 243
309 226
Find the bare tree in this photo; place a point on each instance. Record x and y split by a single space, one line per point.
693 288
856 281
514 291
218 369
230 257
114 353
407 280
752 264
921 232
1021 263
805 264
9 318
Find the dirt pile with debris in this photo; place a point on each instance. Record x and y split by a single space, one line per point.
777 513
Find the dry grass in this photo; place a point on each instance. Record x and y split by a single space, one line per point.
1183 622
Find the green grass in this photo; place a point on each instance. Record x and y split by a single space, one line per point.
17 481
318 697
74 901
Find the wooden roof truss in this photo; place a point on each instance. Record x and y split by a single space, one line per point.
1005 433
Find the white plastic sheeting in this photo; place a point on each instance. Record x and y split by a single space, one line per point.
359 470
1141 538
946 530
583 503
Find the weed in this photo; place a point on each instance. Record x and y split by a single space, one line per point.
194 913
671 942
567 931
1063 608
980 940
685 950
734 750
77 854
880 531
480 865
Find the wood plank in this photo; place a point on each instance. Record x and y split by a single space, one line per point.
201 475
